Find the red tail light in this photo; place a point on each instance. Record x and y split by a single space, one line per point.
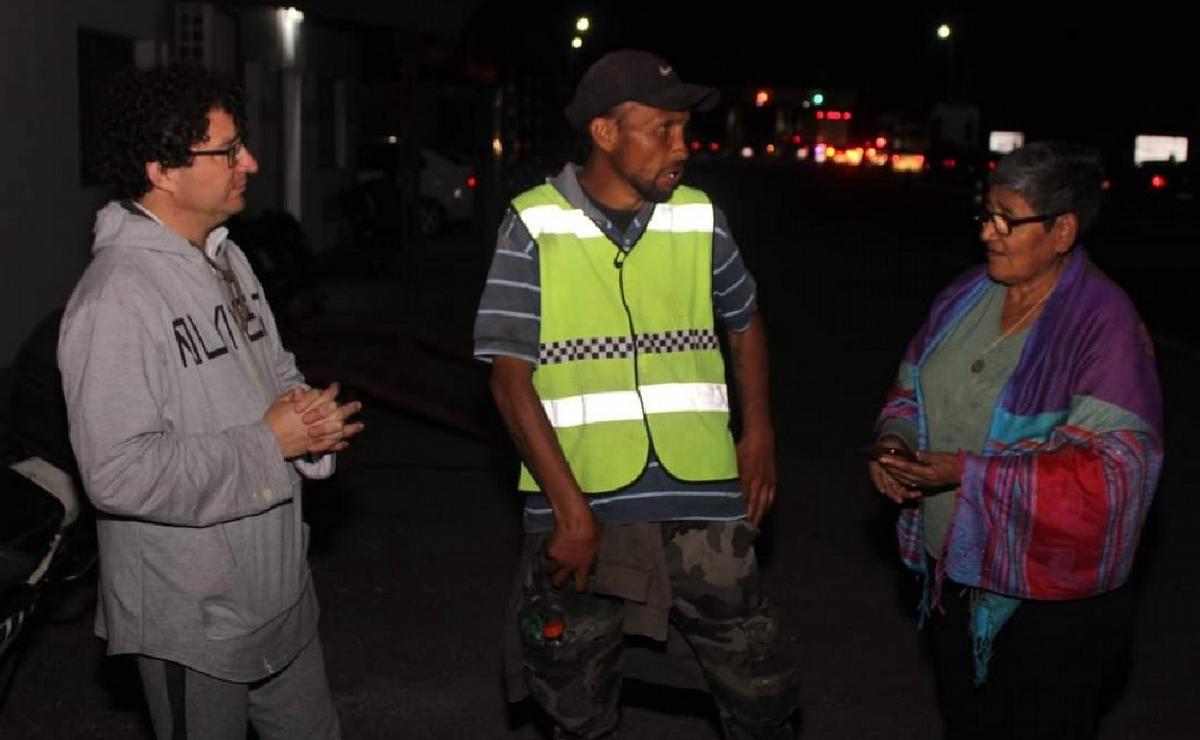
714 146
471 181
695 146
1158 182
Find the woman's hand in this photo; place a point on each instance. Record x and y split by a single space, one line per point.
884 481
886 484
931 470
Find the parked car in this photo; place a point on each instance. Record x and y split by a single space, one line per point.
446 192
434 188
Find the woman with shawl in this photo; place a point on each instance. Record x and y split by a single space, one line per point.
1024 440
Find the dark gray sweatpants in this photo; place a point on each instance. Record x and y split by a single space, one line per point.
294 704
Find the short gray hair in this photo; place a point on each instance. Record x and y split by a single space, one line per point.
1055 177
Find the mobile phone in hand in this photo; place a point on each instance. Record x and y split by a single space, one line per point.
878 450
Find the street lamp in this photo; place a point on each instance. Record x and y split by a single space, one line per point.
576 43
944 34
289 20
583 24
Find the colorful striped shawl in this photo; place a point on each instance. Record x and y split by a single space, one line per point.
1054 505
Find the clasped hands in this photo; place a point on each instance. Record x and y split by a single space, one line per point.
311 421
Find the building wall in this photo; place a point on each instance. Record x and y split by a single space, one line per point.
46 212
46 209
325 58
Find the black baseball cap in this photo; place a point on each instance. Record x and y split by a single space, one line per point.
634 75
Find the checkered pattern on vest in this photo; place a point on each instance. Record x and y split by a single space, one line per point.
604 348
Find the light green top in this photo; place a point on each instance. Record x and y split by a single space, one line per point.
958 402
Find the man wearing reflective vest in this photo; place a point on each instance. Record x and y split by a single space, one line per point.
599 319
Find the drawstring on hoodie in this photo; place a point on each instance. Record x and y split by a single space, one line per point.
107 227
241 307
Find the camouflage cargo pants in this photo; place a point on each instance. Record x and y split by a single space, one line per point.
717 604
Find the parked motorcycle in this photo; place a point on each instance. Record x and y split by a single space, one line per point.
47 532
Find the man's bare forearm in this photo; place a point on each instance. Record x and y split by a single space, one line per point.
749 350
521 409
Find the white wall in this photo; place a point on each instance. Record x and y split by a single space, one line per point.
45 214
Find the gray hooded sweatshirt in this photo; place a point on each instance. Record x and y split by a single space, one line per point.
202 548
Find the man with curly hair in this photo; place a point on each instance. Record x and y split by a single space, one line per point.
191 425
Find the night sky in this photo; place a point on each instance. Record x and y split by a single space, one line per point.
1070 72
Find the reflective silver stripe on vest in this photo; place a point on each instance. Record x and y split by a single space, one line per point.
552 219
591 408
664 398
682 218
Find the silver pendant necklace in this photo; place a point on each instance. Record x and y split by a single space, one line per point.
978 365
